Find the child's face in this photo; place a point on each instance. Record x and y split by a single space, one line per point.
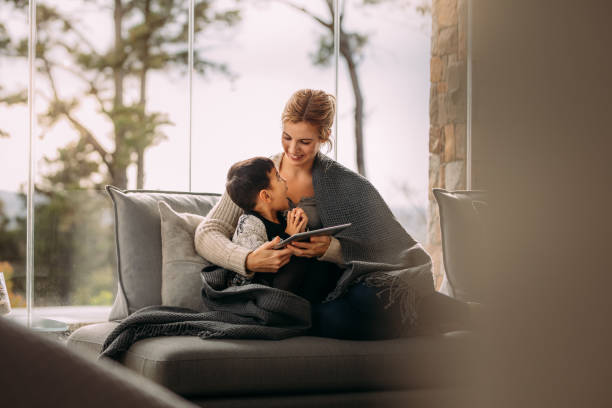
278 191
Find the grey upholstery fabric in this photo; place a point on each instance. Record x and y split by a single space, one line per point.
138 239
462 223
37 372
182 266
192 366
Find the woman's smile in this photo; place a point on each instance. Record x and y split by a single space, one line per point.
295 157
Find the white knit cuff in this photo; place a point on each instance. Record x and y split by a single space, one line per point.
237 260
333 253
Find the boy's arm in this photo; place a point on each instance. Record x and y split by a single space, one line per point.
250 232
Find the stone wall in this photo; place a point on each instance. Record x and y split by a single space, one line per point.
447 113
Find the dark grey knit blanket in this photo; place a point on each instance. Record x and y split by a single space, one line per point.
246 312
376 249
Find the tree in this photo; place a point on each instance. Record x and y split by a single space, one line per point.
148 36
352 45
73 237
351 50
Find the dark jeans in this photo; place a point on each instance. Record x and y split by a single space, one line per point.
360 314
306 277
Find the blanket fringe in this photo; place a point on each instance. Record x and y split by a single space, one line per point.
399 291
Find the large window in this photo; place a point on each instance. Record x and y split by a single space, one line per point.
130 93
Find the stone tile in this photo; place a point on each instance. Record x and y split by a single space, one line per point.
447 42
454 175
445 12
442 117
435 140
462 15
434 37
460 141
456 75
434 173
449 143
433 108
436 69
442 87
455 106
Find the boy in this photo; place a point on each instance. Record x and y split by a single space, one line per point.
256 186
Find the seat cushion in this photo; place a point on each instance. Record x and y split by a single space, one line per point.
182 265
192 366
139 247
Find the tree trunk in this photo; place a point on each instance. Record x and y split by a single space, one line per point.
140 168
352 67
118 176
140 151
121 157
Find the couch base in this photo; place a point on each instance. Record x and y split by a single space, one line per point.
300 371
446 397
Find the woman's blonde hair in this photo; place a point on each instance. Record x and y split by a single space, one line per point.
312 106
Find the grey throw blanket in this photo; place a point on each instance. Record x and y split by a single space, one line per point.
247 312
376 248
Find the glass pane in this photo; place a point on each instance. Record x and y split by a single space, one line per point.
13 145
386 69
112 109
269 55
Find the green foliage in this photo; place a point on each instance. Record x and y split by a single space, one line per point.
12 246
153 37
73 238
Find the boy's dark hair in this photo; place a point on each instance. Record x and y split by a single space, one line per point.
246 179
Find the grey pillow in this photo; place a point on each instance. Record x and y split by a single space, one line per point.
138 240
181 265
462 224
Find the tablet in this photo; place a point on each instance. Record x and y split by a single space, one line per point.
301 236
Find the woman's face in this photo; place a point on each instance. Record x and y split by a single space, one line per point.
301 142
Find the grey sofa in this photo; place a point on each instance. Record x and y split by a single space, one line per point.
156 266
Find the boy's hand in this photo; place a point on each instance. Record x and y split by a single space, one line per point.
296 221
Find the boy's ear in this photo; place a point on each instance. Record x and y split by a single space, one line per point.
264 195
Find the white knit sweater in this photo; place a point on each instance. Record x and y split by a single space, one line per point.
213 236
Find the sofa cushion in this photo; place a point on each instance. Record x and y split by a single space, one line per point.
192 366
138 240
181 264
462 224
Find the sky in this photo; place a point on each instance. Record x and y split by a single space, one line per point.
233 120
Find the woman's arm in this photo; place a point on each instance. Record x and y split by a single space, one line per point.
213 242
213 237
324 248
333 252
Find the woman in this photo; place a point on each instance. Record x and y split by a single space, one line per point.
383 280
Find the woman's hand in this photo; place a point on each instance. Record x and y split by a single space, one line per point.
315 248
267 259
296 221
